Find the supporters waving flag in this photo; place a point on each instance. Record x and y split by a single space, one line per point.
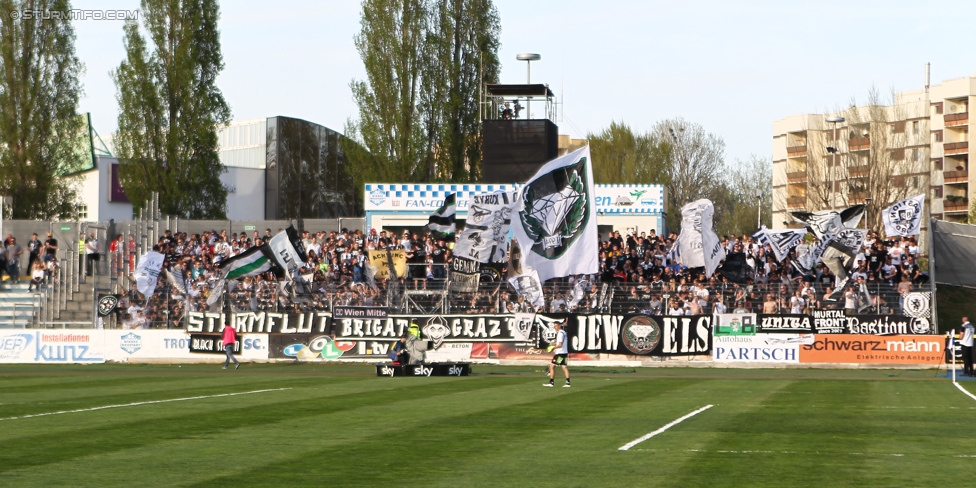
254 261
441 223
485 235
288 250
780 241
698 243
905 217
555 219
149 266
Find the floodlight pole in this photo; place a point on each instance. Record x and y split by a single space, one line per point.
528 58
759 195
830 191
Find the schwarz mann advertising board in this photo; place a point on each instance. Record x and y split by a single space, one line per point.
867 349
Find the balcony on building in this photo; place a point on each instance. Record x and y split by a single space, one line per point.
859 143
960 175
951 148
796 202
955 204
796 177
858 171
796 151
953 120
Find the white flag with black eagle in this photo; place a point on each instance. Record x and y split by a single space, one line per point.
441 223
698 243
780 241
905 217
555 219
485 235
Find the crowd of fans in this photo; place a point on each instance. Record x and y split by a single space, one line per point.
635 276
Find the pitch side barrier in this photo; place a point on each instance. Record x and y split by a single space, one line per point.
473 337
368 335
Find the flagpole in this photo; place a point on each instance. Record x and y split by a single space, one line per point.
225 303
934 305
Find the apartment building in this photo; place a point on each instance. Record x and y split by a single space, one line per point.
877 153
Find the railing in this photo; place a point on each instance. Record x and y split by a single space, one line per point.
796 202
961 176
796 151
952 120
168 310
796 177
859 143
856 171
956 205
950 148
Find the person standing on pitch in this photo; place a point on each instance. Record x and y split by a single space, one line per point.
967 346
229 337
561 350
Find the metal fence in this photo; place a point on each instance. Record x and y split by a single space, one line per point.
168 308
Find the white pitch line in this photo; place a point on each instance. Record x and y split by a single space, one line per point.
662 429
135 404
964 390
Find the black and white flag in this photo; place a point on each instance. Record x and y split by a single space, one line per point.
808 256
780 241
528 286
555 219
905 217
485 235
178 279
289 253
441 223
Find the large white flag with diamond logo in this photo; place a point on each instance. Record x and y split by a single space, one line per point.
555 224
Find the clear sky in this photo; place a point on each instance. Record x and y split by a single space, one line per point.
732 66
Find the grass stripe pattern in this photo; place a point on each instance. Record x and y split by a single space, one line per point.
340 425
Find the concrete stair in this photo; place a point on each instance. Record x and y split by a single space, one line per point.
79 312
18 306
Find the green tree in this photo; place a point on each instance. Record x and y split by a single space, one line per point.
463 45
425 61
620 156
170 108
39 125
390 43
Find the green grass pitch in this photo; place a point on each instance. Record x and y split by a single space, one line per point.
340 425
